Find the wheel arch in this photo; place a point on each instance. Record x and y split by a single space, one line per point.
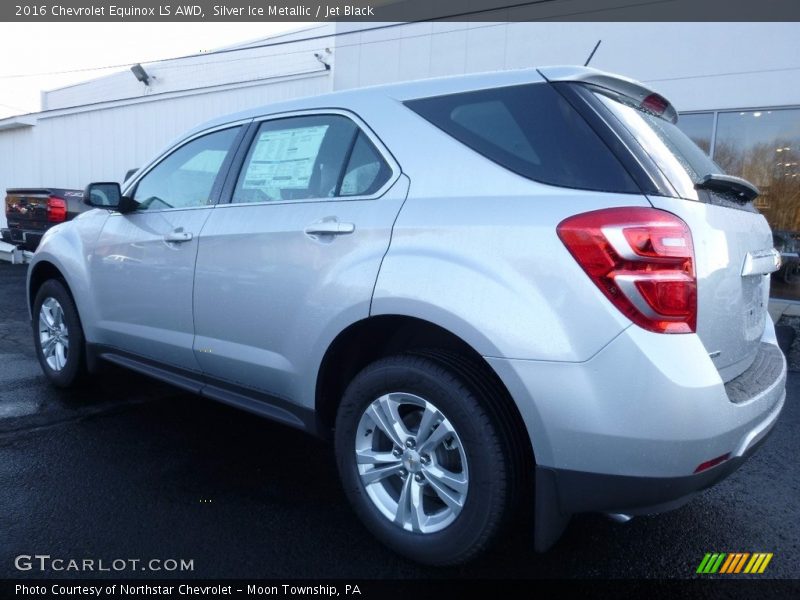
40 272
378 336
43 271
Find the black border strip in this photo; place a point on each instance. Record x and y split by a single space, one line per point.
399 10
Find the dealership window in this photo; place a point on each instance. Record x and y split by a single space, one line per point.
699 127
763 146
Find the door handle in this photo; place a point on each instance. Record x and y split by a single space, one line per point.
178 236
330 228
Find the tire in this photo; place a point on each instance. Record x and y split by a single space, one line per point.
481 465
63 360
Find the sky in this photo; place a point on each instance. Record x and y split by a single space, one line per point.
32 48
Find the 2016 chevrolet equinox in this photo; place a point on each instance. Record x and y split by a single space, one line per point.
479 286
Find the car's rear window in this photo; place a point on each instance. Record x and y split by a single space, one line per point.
532 131
677 156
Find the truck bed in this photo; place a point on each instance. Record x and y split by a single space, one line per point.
32 211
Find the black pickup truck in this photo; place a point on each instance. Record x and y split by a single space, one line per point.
32 211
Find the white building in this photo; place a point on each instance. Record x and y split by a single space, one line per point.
97 130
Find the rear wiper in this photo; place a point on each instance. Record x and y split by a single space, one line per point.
717 182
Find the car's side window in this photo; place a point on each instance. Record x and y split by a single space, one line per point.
186 177
531 130
366 170
309 157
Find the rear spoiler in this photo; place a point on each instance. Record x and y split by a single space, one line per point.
615 83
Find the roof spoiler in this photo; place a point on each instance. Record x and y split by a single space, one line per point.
616 83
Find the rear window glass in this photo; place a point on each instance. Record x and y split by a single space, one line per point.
679 158
532 131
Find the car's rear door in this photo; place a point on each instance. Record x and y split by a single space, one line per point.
294 256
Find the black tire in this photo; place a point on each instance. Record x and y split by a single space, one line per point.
492 463
74 369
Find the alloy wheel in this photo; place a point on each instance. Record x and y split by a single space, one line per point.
411 462
53 334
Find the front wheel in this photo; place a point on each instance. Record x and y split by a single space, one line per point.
422 460
57 335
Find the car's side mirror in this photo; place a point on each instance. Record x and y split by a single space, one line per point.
107 194
102 195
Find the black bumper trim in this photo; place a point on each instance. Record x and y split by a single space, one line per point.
766 369
25 239
560 493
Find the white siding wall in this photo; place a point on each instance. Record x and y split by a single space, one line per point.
697 65
73 149
242 65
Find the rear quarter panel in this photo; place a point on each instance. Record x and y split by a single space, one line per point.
475 250
493 271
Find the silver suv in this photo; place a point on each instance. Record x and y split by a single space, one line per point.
492 292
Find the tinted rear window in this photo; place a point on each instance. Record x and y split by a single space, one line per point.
678 157
532 131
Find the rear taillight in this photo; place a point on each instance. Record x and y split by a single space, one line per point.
56 209
642 259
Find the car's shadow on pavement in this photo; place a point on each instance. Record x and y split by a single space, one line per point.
242 497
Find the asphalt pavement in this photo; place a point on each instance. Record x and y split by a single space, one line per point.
127 468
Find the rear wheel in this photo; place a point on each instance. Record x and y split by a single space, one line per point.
57 335
422 460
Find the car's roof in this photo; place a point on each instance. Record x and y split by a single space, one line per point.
404 91
376 101
366 98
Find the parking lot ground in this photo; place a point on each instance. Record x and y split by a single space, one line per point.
130 468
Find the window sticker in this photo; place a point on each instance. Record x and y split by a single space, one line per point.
284 159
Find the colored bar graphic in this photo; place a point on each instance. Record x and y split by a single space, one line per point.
717 564
740 564
711 563
720 562
764 564
703 563
757 564
727 564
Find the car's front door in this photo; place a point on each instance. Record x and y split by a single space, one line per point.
294 256
142 267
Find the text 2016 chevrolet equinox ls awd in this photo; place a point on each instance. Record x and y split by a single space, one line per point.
479 286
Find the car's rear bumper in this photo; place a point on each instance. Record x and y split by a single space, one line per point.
561 493
647 405
626 431
27 240
581 491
